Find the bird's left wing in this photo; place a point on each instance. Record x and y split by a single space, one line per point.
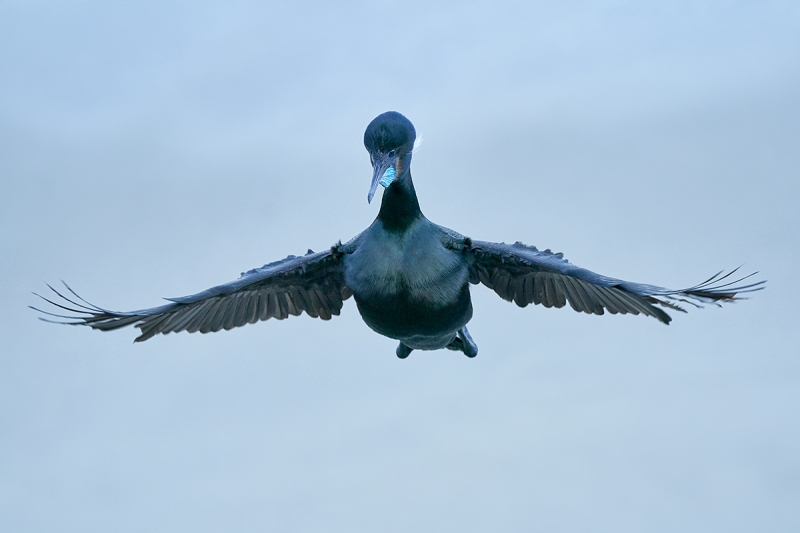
312 283
523 274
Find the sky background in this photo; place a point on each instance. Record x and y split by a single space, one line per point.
152 149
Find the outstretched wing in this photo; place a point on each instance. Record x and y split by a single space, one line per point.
524 275
312 283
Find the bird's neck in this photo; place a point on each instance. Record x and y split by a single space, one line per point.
399 206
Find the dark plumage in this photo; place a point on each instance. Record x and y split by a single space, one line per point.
410 277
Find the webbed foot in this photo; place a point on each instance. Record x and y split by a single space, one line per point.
464 343
403 351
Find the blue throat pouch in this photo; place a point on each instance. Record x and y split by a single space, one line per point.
388 176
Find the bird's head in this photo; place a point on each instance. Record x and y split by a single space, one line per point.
389 139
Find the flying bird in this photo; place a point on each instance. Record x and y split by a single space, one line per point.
410 278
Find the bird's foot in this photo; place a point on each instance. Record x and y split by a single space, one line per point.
403 351
464 343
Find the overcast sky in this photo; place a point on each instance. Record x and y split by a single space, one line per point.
154 149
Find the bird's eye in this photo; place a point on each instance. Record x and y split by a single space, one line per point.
392 153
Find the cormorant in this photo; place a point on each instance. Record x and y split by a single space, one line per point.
410 277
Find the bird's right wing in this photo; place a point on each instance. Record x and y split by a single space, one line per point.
313 284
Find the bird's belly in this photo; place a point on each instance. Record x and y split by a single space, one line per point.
419 325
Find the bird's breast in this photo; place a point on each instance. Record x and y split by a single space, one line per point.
409 286
413 265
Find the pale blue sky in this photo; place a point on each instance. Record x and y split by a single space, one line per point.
155 149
